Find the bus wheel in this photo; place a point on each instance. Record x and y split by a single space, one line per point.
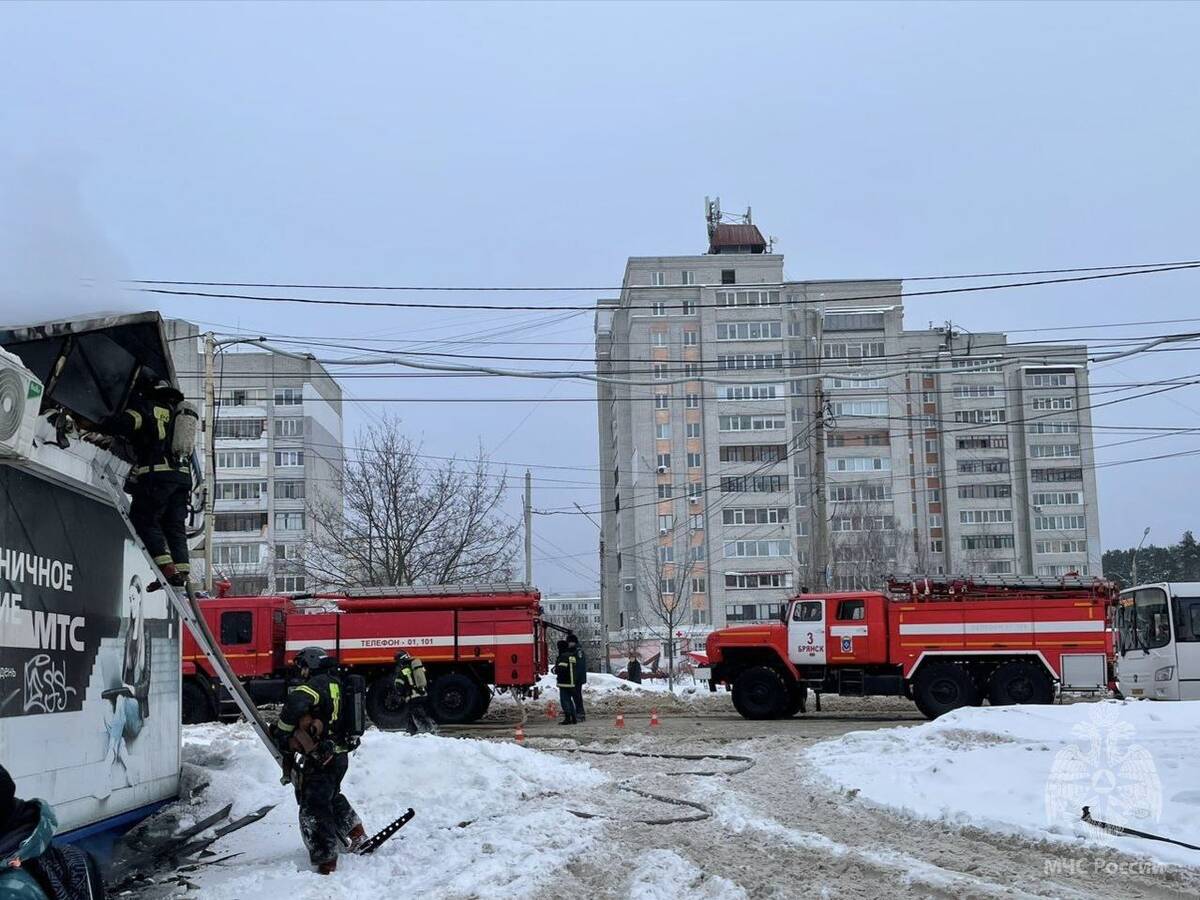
1019 681
760 693
941 687
196 704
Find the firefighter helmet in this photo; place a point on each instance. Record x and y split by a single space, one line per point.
311 658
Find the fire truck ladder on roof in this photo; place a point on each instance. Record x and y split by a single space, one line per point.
434 590
918 586
189 611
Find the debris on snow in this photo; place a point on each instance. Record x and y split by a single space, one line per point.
1030 770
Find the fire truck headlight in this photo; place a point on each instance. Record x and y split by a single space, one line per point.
1164 674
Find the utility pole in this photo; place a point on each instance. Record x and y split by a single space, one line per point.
210 458
528 528
822 557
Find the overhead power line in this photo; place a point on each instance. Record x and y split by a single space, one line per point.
404 304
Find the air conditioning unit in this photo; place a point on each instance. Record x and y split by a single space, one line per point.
662 470
662 531
628 588
693 499
20 401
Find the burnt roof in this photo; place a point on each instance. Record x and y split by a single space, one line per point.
728 237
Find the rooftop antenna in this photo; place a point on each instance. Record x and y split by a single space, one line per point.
712 214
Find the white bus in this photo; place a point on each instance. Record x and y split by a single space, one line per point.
1158 641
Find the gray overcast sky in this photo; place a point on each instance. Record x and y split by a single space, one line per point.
543 144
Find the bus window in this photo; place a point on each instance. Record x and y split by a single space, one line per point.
1187 619
1142 622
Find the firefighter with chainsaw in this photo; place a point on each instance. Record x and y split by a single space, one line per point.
160 427
321 723
410 687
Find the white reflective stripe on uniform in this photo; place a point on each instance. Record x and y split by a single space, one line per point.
1087 625
369 643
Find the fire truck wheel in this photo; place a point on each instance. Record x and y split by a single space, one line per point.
797 698
760 693
454 698
197 704
1020 682
385 707
941 687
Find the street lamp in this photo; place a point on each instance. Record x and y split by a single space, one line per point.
1135 553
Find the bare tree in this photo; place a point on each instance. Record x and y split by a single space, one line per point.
590 634
402 521
866 546
666 586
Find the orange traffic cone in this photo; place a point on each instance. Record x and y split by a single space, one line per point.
520 733
551 710
654 723
620 723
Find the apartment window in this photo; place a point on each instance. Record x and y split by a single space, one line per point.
1057 571
747 298
852 321
664 460
1054 403
1057 498
664 523
686 277
664 493
236 554
661 400
692 401
691 337
289 427
935 520
1054 451
852 384
862 523
240 429
737 362
934 495
658 371
852 352
662 431
692 429
982 442
1059 523
691 370
872 408
289 458
238 459
289 396
984 516
857 493
748 331
693 460
977 365
1051 475
289 521
859 464
239 521
753 580
759 484
1053 428
976 391
666 554
695 489
289 490
728 277
751 423
666 585
658 308
239 490
688 308
658 338
980 416
984 491
987 542
757 391
1000 567
1060 546
289 552
937 545
753 453
696 522
699 585
982 466
289 583
931 445
697 553
755 515
747 549
1056 379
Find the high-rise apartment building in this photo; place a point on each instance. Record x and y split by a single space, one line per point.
278 443
759 436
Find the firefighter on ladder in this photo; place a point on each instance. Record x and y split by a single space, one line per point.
308 726
160 427
410 685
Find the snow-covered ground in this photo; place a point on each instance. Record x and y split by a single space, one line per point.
518 836
1030 769
600 686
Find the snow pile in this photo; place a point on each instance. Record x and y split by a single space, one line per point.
603 686
665 875
1031 769
491 818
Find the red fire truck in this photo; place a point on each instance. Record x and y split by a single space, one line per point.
943 642
471 639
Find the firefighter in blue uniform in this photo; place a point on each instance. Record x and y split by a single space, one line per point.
160 482
308 726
